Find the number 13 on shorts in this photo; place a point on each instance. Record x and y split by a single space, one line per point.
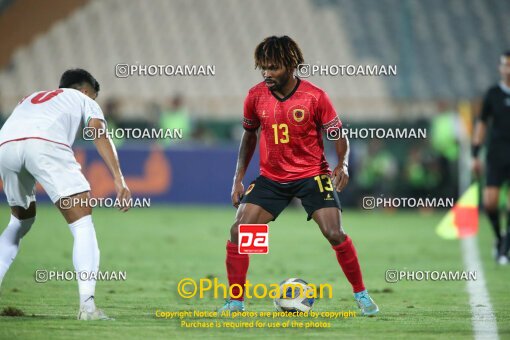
324 183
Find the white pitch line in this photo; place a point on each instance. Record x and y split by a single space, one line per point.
483 319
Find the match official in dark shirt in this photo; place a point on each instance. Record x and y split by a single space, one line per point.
495 120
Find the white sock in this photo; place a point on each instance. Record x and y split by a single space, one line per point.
9 242
85 259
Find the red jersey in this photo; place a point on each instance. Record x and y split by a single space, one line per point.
291 145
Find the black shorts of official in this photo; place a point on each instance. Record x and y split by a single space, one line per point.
274 196
497 174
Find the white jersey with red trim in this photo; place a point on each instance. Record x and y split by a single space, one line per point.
50 115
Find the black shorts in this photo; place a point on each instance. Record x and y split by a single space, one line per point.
497 174
315 193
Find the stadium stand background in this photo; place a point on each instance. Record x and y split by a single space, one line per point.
446 53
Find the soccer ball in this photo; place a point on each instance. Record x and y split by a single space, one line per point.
295 296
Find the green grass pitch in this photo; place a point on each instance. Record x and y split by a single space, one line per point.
159 246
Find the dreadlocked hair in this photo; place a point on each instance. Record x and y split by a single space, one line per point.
279 51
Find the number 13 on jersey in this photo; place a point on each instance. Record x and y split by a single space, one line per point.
281 133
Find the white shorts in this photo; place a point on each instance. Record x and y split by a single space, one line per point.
24 162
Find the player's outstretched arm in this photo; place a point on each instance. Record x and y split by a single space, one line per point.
341 173
246 150
106 149
478 138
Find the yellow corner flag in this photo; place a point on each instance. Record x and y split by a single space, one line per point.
462 220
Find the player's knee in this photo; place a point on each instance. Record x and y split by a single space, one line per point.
24 214
21 226
25 226
334 235
242 218
234 231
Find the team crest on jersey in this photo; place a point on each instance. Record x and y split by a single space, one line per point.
298 115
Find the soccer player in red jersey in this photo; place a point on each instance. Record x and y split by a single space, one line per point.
290 114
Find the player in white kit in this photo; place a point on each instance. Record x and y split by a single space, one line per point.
35 146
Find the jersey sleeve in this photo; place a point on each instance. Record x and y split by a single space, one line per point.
326 114
250 119
486 108
91 110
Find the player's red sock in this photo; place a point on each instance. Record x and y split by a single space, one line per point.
237 267
348 260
